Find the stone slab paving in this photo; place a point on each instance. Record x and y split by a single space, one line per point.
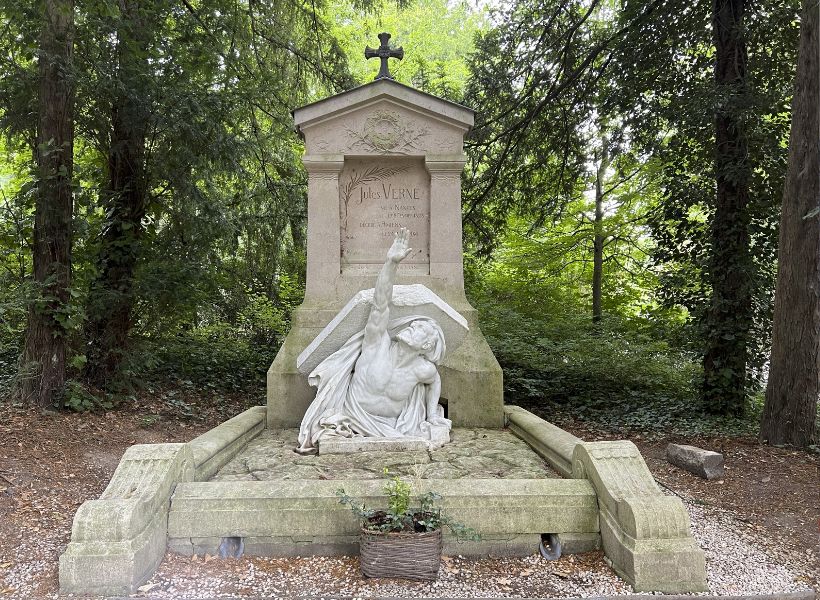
473 453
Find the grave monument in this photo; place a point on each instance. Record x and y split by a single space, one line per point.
382 158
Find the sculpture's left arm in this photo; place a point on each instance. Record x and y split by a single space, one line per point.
431 401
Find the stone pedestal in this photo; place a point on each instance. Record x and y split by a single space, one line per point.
380 157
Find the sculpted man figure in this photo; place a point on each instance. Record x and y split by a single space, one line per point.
383 381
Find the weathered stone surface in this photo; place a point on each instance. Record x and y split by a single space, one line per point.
645 534
407 300
370 444
215 447
500 510
578 543
339 545
473 453
703 463
118 541
326 134
552 443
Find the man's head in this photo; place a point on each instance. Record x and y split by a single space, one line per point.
426 337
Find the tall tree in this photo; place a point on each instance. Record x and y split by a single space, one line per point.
45 344
203 178
537 76
716 229
793 389
125 198
729 317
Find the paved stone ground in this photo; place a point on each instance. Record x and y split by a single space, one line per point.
474 453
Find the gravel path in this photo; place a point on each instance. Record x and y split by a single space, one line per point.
737 564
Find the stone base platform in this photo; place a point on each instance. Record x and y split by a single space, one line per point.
305 517
283 503
240 487
471 454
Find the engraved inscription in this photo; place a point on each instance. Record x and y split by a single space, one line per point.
375 202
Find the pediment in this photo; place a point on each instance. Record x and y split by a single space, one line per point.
384 91
383 118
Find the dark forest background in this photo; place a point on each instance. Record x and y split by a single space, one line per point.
631 185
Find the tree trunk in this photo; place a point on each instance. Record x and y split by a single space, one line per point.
598 229
729 317
794 375
111 295
43 370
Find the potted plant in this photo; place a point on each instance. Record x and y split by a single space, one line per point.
400 541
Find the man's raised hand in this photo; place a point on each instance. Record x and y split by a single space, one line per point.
399 250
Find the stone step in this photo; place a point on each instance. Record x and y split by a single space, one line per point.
304 516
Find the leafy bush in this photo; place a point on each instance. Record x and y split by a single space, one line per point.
568 360
617 374
8 365
215 357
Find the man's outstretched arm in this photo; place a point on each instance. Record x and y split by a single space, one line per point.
380 313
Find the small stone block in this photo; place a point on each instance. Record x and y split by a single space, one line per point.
578 543
370 444
702 463
439 436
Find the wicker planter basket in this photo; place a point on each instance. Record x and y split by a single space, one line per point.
408 555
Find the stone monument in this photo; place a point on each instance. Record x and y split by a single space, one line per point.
383 381
382 157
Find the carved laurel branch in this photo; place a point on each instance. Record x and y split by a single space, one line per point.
368 175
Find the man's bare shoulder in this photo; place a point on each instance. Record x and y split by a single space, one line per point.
379 343
425 370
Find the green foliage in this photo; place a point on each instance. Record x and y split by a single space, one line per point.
9 352
567 360
672 123
79 398
534 304
398 496
214 357
400 517
436 49
550 77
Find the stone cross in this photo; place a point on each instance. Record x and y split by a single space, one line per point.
384 52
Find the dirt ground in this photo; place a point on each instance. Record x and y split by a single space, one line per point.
52 462
775 491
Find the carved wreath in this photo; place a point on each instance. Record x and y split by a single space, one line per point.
384 131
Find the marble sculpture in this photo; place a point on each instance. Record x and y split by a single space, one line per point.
383 382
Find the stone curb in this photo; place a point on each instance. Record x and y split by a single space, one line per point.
552 443
214 448
807 595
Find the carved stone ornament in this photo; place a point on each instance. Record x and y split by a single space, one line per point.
384 131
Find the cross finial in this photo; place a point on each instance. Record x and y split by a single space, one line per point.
384 52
